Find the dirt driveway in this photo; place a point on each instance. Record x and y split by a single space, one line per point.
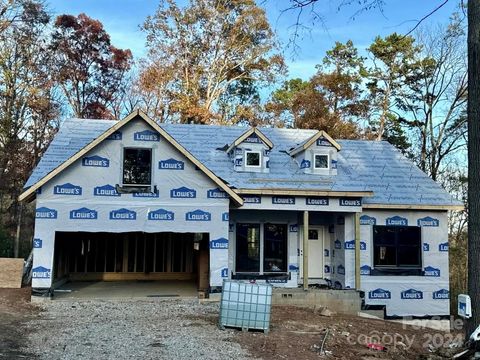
15 312
155 328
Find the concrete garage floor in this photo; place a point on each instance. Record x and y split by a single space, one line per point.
126 289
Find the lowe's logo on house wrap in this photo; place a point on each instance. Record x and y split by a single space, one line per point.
293 228
334 164
341 269
216 194
146 135
95 161
105 190
338 244
123 214
83 214
411 294
220 243
441 294
326 252
67 189
431 271
317 201
117 135
443 247
350 245
428 221
379 294
252 199
350 202
171 164
426 247
183 192
305 164
326 269
37 243
396 221
161 214
198 215
224 273
283 200
238 161
365 270
45 213
225 216
293 267
146 195
41 273
367 220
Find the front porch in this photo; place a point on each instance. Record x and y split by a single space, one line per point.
281 246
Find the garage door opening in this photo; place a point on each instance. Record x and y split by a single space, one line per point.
134 256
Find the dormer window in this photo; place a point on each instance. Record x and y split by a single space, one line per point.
321 161
317 155
252 158
250 152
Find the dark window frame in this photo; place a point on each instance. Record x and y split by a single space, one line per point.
257 152
315 161
400 239
246 265
125 180
283 266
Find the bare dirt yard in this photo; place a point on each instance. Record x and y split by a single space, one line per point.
155 328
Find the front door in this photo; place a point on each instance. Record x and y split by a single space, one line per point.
315 252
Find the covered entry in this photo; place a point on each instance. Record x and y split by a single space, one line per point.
103 256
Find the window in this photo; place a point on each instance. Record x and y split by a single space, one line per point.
397 247
248 248
321 161
252 158
275 248
137 166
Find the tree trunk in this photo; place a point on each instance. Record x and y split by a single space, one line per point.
474 162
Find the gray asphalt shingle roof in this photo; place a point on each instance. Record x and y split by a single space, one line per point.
362 165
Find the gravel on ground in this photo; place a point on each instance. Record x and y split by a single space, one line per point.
131 329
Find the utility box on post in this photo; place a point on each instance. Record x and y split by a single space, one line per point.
464 306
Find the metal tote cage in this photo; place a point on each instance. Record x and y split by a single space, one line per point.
245 305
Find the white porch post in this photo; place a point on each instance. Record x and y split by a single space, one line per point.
357 251
305 250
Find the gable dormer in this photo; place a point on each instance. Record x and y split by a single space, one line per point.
317 155
250 152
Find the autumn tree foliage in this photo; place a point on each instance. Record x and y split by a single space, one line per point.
331 100
205 53
89 69
28 105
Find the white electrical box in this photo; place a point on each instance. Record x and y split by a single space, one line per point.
464 306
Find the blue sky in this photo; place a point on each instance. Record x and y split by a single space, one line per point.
122 18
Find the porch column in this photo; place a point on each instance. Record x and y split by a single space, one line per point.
305 250
357 251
